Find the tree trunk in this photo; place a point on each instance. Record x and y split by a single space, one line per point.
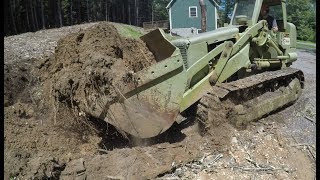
94 13
32 15
107 19
152 11
136 12
88 19
79 12
71 18
123 13
203 15
15 14
35 15
59 12
13 21
113 10
136 5
100 10
27 14
52 14
42 15
129 14
96 10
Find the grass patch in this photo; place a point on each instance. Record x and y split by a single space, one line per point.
129 31
306 45
306 42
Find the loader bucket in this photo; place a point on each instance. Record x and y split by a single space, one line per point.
158 45
151 104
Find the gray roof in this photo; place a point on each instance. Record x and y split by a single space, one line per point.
173 1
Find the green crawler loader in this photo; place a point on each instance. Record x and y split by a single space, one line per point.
244 63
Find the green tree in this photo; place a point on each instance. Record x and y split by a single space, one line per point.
159 9
302 14
225 11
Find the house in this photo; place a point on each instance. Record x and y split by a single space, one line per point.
185 16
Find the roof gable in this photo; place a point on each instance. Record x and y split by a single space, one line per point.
170 4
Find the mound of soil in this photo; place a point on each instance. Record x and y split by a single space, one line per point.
91 67
42 98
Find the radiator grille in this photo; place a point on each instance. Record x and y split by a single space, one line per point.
183 51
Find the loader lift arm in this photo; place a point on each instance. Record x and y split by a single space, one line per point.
229 59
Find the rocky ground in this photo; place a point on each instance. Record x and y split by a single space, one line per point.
41 143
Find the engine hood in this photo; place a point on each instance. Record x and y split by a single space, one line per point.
219 34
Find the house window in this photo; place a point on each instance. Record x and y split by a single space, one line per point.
193 11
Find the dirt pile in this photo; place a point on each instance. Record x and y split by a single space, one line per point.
90 68
44 96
